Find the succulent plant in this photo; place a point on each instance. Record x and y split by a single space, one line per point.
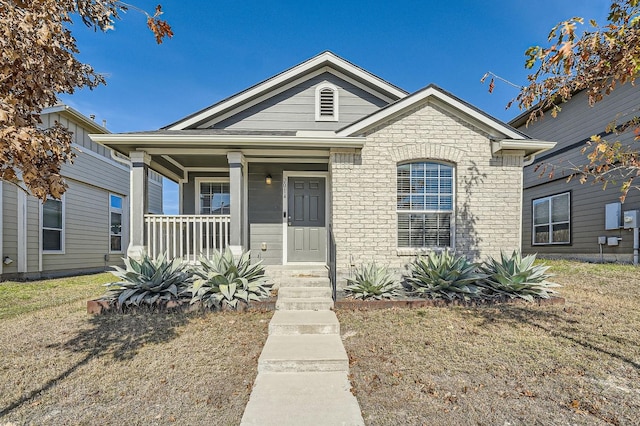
224 281
373 282
148 281
515 276
444 275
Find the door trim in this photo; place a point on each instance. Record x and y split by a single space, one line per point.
285 206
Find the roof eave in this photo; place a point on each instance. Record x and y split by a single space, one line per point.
531 147
113 140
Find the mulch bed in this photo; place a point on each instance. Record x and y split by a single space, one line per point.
101 307
352 304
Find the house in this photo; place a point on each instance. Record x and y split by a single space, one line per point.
570 220
86 230
327 157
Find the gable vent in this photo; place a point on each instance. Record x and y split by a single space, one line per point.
327 103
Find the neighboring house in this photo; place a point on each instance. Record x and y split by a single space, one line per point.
326 152
563 219
87 229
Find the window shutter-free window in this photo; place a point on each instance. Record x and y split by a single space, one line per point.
52 225
115 223
551 219
425 199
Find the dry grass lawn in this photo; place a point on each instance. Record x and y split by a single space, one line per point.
507 365
59 365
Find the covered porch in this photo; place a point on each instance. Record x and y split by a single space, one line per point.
270 194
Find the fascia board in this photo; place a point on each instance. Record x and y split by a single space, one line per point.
418 97
282 79
225 140
530 146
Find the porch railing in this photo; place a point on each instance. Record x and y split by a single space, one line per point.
186 236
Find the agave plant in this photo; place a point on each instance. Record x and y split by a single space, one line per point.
444 275
224 281
149 281
373 282
516 276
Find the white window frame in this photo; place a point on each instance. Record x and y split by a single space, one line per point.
336 96
412 249
200 180
62 200
122 221
550 224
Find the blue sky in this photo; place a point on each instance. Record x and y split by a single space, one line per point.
222 47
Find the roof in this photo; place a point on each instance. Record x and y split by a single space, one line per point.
66 110
432 91
324 62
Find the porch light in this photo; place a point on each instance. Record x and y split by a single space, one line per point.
268 180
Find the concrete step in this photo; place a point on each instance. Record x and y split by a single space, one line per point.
303 353
304 282
287 399
304 292
288 323
304 304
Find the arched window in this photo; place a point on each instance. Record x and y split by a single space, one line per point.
326 102
425 201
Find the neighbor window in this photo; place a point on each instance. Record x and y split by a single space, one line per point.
115 223
326 103
53 225
214 198
551 219
425 204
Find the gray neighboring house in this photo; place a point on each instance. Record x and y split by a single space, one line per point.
570 220
327 157
85 231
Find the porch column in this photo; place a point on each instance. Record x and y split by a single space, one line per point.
138 201
236 192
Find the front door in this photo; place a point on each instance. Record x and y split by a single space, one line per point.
306 227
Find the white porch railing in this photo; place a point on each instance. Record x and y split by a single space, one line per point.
186 236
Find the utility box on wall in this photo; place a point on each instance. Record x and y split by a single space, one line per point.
612 216
631 219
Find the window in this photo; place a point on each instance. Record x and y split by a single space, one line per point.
326 102
214 197
551 219
115 223
425 204
53 225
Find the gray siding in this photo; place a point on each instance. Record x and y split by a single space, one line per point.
576 123
294 109
33 235
80 135
189 190
587 221
266 210
155 197
10 226
86 231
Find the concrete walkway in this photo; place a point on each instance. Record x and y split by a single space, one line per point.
302 371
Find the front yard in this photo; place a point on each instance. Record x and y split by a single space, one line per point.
59 365
516 364
577 363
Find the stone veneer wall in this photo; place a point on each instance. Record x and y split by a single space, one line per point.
487 189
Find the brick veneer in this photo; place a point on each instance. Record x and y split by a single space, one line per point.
488 188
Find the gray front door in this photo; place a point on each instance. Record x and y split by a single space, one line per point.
306 230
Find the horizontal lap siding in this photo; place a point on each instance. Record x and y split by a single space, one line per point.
266 209
575 123
155 197
294 109
86 230
33 234
9 226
